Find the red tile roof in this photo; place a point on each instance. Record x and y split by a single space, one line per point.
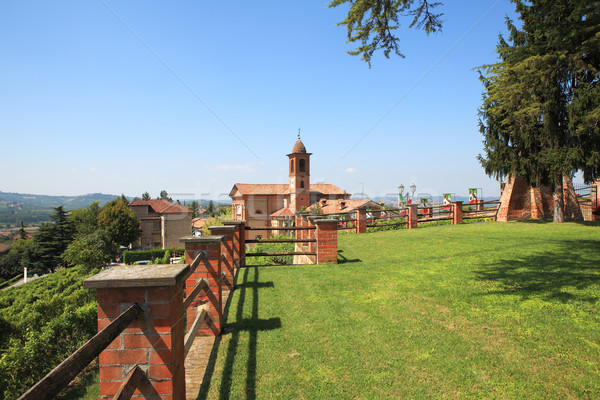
161 206
336 207
284 212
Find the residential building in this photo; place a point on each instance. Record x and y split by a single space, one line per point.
162 223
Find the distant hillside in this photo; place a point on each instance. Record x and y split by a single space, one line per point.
69 202
33 209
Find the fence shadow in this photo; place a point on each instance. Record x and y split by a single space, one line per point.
550 274
252 325
343 260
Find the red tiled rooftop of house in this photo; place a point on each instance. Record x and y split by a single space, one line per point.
281 188
160 206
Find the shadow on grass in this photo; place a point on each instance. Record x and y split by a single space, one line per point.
343 260
252 325
557 275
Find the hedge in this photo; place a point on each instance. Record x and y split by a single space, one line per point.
131 256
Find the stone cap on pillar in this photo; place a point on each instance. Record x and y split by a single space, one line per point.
202 239
233 222
135 276
223 228
325 220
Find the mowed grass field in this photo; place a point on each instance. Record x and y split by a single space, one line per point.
490 310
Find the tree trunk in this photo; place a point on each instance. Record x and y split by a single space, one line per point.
559 201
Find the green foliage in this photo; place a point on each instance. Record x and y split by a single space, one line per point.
10 264
130 257
120 221
372 23
42 323
217 220
210 209
92 251
146 196
539 116
272 248
387 225
85 220
165 196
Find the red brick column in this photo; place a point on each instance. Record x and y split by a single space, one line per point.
326 235
239 243
411 216
155 340
479 205
227 249
457 212
210 269
361 221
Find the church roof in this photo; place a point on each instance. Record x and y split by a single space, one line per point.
281 189
299 147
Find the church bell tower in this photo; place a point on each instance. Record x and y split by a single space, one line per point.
299 172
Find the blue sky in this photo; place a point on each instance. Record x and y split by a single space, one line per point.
194 96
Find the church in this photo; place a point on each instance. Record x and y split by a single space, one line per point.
274 205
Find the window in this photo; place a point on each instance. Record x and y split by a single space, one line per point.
302 184
302 166
291 165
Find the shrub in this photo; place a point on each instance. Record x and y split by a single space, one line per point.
130 257
273 248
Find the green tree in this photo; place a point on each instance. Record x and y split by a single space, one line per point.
119 221
373 23
193 207
85 220
42 255
165 196
146 196
539 116
22 232
210 209
92 251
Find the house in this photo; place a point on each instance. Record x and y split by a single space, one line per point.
162 223
4 249
274 205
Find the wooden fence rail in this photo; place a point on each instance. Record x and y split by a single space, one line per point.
57 379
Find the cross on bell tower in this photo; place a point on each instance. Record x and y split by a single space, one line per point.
299 173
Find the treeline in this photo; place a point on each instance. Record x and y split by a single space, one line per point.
41 324
89 236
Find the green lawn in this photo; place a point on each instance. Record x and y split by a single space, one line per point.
492 310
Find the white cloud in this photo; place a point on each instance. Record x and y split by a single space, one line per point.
350 170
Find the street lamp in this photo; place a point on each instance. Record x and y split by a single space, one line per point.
413 187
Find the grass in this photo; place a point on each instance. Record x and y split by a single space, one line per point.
495 310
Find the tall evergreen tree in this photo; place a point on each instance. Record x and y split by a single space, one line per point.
539 110
22 232
146 196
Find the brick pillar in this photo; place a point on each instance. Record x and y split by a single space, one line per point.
209 268
326 235
457 214
361 220
479 205
411 216
155 340
227 249
239 243
594 198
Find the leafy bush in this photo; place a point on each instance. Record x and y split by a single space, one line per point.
41 324
130 257
272 248
387 225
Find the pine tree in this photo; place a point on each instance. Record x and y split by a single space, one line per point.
533 108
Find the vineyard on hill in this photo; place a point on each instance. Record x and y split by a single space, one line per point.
41 324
